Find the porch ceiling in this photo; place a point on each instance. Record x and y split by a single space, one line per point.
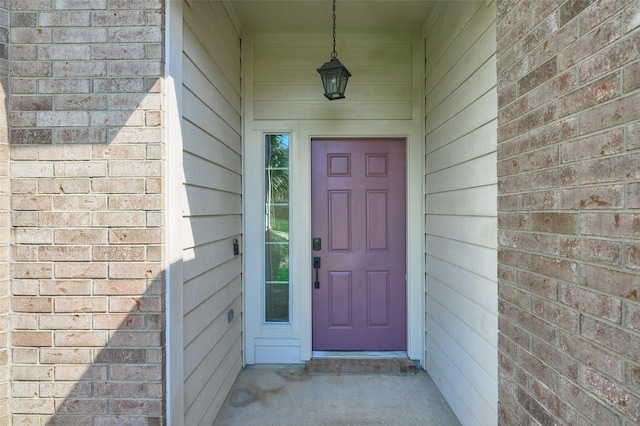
314 16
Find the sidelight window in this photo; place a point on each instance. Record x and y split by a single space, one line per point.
276 291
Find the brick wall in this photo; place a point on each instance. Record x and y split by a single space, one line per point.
4 216
569 218
87 211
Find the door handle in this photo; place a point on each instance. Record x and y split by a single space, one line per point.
316 266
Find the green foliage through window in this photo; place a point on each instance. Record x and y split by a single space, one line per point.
277 228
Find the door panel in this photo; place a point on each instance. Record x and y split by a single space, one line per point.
377 221
339 228
340 299
358 208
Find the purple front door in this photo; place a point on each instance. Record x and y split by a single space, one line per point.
358 212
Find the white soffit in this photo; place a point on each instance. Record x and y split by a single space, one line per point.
314 16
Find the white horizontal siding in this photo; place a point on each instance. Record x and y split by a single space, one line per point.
474 115
200 259
211 29
458 46
199 351
481 260
478 230
196 111
212 395
212 164
210 98
478 201
319 110
200 143
203 314
286 85
441 108
460 206
466 282
204 173
278 75
207 229
470 174
212 202
473 145
207 284
457 384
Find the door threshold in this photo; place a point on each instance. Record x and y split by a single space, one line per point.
359 354
344 362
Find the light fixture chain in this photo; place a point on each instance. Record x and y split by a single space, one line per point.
334 54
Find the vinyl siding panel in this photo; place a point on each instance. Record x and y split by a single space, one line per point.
286 85
212 164
460 206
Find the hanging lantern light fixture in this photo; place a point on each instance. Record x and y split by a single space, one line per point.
334 75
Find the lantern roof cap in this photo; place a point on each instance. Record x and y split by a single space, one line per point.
332 64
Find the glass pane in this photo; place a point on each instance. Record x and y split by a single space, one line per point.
277 261
277 228
277 309
279 222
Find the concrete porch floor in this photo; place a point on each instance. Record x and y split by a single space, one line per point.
288 395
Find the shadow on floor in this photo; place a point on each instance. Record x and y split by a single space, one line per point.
290 396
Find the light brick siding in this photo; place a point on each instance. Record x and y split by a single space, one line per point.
87 161
569 224
4 217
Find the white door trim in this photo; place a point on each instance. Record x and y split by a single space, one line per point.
292 342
